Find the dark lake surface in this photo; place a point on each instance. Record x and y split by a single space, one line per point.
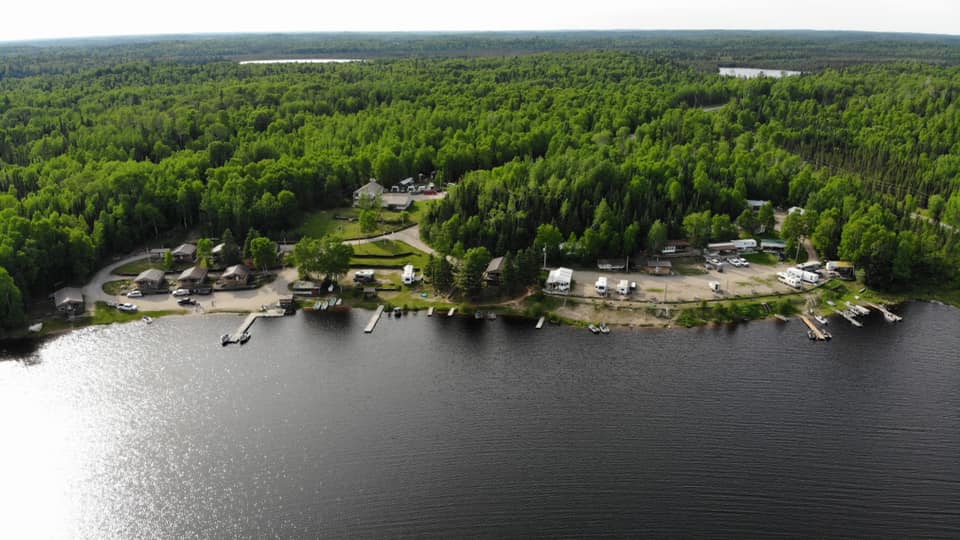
455 427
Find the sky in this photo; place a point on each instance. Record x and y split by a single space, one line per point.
42 19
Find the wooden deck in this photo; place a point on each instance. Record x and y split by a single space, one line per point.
817 332
374 320
250 319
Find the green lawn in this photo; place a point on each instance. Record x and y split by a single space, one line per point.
118 287
104 314
321 223
391 248
138 266
763 259
388 253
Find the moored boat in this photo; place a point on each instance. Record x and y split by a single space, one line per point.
593 328
604 329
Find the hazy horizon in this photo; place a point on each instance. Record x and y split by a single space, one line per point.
32 21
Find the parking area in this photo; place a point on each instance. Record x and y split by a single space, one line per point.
756 280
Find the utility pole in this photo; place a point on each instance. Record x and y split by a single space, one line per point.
544 257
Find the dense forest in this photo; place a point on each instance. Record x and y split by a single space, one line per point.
609 150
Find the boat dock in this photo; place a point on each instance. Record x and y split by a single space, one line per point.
817 333
249 320
540 322
887 314
374 319
846 315
451 312
430 311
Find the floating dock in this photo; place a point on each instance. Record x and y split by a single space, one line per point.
249 320
540 322
451 312
846 315
818 334
430 312
887 314
374 319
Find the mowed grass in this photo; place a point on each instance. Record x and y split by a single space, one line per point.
104 314
384 248
322 223
764 259
138 266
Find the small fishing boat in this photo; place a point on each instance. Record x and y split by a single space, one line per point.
397 312
478 315
781 318
225 340
593 328
35 327
604 329
491 316
821 319
244 337
147 319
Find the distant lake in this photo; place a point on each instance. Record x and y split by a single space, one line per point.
303 61
753 73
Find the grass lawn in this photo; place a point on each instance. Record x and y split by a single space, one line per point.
117 287
383 248
764 259
321 223
138 266
385 251
104 314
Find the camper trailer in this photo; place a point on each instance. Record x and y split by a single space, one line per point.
714 286
803 275
623 287
408 275
789 279
601 285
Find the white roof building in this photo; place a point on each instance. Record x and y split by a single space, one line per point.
560 279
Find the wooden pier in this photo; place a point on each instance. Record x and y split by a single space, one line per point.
430 312
249 320
451 312
540 322
887 314
818 334
849 318
374 319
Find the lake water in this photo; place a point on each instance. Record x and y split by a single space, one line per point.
302 61
753 73
454 427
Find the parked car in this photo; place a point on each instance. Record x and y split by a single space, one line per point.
734 261
187 301
744 262
181 292
136 293
202 290
127 308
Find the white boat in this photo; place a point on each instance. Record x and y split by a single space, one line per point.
225 339
821 319
147 319
35 327
491 316
593 328
244 337
891 317
397 312
604 329
478 315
